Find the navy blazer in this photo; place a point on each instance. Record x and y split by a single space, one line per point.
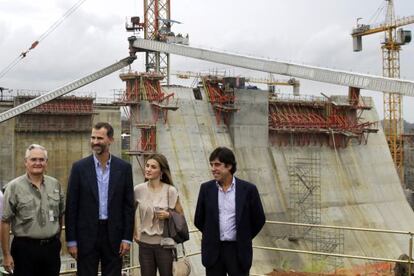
82 204
250 219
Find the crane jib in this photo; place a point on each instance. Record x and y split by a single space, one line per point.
64 89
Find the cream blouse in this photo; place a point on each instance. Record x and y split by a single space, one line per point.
148 227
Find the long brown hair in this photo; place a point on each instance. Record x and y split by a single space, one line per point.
164 167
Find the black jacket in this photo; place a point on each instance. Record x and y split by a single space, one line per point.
82 204
250 219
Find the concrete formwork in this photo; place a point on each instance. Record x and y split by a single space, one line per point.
64 148
7 157
359 185
109 113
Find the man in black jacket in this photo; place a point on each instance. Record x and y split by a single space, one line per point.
100 208
229 214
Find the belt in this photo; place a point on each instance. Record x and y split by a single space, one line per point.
103 222
227 242
37 241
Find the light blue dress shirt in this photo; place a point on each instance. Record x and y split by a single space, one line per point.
102 177
227 212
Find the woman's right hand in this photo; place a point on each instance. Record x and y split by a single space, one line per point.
162 214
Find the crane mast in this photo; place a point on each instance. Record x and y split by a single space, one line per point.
154 11
393 102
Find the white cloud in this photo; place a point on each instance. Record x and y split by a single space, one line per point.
315 32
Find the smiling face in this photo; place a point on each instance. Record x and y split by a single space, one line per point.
221 172
152 170
36 162
100 141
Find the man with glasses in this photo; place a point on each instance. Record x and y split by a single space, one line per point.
33 210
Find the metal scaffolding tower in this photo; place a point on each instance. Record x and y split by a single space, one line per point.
144 104
305 207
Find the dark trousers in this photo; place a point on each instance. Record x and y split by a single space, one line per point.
111 262
227 263
34 257
153 257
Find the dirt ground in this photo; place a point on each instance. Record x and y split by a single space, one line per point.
374 269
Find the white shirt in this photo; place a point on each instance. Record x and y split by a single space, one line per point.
227 212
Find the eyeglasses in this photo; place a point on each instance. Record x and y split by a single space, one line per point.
34 160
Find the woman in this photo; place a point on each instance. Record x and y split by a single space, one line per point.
153 198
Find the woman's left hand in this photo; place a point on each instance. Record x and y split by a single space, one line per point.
162 214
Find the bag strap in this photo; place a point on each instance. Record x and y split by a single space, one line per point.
175 253
168 196
185 255
168 209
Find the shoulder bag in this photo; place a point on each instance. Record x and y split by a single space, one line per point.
176 226
182 266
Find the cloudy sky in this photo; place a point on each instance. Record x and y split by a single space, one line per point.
310 32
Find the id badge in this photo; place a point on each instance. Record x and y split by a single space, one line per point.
51 216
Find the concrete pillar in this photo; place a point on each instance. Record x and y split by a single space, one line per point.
249 126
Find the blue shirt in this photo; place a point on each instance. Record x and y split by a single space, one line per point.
102 178
227 212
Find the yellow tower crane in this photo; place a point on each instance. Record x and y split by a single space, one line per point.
394 38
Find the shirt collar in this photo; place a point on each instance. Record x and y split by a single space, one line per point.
29 181
233 184
98 164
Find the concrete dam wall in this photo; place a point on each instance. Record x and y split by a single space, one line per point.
354 186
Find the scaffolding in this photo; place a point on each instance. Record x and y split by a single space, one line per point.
305 192
220 94
305 207
318 121
64 114
145 89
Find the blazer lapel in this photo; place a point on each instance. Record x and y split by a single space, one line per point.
91 172
214 200
240 199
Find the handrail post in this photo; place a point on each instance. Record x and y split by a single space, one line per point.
410 253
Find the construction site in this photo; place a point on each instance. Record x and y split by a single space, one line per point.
335 182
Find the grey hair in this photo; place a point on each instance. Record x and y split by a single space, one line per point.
35 146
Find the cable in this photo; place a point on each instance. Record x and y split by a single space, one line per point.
9 67
42 37
60 20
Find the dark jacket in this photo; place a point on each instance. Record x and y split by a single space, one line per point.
250 219
82 204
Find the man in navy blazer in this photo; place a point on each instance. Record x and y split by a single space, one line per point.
99 217
229 214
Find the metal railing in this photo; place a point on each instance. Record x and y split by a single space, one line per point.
409 262
73 271
409 233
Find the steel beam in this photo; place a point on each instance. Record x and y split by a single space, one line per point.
320 74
